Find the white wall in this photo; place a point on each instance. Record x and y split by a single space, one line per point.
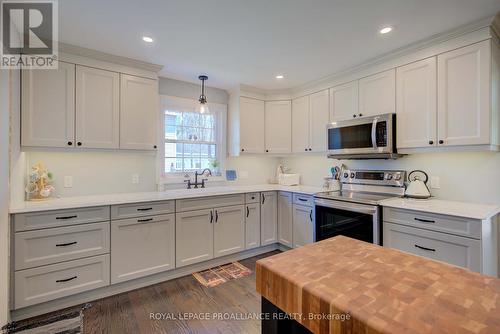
4 196
464 176
190 90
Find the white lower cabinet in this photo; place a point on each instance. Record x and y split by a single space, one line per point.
252 225
303 225
285 227
459 251
142 246
269 218
194 235
229 230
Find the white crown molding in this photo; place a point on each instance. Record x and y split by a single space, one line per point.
107 57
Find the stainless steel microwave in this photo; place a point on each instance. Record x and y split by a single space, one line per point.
372 137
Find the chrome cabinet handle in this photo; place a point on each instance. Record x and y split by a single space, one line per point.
66 279
374 133
424 220
66 244
425 248
67 217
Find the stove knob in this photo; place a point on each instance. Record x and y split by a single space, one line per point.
389 176
397 177
353 175
346 175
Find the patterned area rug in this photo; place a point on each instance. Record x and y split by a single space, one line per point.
67 323
221 274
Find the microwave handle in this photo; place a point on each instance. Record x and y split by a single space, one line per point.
374 133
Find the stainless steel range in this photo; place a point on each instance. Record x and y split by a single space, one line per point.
354 211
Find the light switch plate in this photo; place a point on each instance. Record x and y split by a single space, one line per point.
135 178
243 174
68 182
435 182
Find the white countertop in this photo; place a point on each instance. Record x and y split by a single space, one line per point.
452 208
112 199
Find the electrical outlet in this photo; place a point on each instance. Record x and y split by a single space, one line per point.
68 182
435 182
243 174
135 178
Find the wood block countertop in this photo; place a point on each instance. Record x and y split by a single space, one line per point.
383 290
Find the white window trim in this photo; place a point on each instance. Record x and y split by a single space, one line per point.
190 104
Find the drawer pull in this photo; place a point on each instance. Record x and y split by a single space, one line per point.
66 217
424 220
425 248
302 199
144 209
67 244
144 220
66 279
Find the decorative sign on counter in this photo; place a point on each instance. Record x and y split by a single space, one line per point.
39 187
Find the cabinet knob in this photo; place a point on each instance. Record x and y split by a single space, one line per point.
360 115
431 142
70 143
79 143
242 150
267 151
305 149
154 146
441 141
354 115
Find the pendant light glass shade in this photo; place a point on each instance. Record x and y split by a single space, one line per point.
203 107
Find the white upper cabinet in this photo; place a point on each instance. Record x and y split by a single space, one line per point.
464 84
278 127
300 124
251 125
377 94
48 107
344 101
97 108
416 104
318 120
139 113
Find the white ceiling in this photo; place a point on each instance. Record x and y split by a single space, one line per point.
250 41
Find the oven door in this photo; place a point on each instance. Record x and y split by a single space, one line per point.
357 221
366 135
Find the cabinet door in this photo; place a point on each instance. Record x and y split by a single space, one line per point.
269 218
303 225
252 225
318 120
377 94
344 101
278 125
416 104
229 230
285 227
154 253
464 95
251 125
97 108
48 107
139 113
194 237
300 124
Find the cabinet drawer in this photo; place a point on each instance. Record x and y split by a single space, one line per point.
449 224
45 219
200 203
459 251
153 254
53 245
252 197
142 209
303 200
38 285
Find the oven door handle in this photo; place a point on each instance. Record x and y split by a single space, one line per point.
374 133
348 206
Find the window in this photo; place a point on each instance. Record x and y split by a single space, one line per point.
193 141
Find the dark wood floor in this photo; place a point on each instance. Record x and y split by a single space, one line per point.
130 312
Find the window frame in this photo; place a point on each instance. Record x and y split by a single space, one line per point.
190 105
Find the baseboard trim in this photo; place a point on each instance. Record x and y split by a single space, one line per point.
138 283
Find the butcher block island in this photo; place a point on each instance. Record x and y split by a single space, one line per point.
342 285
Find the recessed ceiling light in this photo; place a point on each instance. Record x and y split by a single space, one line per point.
279 76
147 39
385 30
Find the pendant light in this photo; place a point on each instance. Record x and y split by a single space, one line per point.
203 108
